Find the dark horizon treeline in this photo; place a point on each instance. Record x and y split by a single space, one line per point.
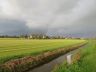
36 36
33 36
8 36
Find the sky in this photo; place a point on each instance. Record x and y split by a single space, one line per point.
51 17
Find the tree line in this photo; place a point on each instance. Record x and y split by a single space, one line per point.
33 36
36 36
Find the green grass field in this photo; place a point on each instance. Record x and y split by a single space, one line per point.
17 48
87 62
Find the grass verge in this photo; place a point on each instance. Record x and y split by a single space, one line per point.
87 63
23 64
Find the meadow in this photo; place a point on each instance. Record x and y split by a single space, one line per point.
17 48
87 63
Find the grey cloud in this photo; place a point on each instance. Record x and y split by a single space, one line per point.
75 17
17 27
12 27
85 27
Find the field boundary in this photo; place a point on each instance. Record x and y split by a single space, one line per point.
29 62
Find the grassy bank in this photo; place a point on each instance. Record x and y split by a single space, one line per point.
17 48
87 63
25 63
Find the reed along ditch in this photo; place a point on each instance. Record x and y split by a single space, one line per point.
41 63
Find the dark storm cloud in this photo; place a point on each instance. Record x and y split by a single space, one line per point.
12 27
17 27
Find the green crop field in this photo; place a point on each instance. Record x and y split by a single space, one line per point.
87 62
17 48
